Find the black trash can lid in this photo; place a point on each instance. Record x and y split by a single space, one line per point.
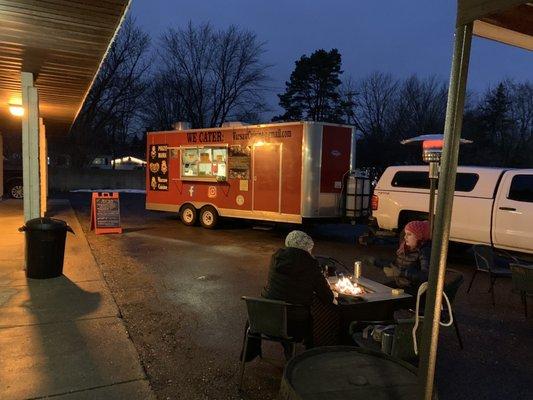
46 224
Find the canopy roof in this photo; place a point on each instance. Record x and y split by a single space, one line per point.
62 42
506 21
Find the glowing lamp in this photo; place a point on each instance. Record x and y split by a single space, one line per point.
431 152
16 109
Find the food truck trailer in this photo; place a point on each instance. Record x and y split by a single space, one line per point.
283 172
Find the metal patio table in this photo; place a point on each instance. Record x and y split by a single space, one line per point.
378 304
351 373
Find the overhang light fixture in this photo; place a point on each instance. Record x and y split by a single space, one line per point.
16 110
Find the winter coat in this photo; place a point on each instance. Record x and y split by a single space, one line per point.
412 266
294 277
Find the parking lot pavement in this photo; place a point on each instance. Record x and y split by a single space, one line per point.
178 289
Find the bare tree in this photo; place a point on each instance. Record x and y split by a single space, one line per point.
162 106
386 110
421 106
348 92
376 99
113 101
215 75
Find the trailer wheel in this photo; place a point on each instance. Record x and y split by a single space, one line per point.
188 215
208 217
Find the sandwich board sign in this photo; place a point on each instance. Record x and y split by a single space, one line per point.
105 213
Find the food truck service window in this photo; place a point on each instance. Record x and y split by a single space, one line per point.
204 163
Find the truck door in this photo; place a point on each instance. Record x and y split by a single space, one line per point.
266 177
513 212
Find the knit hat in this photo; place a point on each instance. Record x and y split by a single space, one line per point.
299 240
420 229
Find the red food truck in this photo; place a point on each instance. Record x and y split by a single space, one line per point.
283 172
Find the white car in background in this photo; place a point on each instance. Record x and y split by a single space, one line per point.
124 163
492 206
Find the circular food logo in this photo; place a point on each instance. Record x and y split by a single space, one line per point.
212 192
154 167
240 200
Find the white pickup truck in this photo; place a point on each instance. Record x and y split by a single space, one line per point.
492 206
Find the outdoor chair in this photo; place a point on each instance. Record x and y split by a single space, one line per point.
522 277
402 345
267 320
452 282
487 262
402 340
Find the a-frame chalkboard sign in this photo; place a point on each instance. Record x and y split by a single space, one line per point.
105 213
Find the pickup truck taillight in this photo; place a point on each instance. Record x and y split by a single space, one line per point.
374 202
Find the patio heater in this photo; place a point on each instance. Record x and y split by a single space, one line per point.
431 152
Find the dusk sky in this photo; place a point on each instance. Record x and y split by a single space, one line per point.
400 37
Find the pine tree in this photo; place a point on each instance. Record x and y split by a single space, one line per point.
313 90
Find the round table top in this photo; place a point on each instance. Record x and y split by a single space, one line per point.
344 372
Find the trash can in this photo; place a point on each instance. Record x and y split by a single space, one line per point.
45 247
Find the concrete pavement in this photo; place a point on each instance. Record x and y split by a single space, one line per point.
61 337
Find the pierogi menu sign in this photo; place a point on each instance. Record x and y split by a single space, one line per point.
158 167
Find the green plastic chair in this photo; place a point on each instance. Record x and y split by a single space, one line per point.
267 320
522 277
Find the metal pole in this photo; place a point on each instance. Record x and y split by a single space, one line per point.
433 177
439 249
432 187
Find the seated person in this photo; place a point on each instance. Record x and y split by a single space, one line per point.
295 277
411 266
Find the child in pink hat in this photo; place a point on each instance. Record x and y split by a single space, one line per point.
411 266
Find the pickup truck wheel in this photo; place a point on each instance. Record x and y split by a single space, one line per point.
188 215
408 216
15 190
208 217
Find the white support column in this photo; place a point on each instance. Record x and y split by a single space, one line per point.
43 168
30 147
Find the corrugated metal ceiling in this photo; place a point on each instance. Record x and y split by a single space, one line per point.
62 42
506 21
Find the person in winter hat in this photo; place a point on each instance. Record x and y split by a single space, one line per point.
299 240
295 277
411 266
